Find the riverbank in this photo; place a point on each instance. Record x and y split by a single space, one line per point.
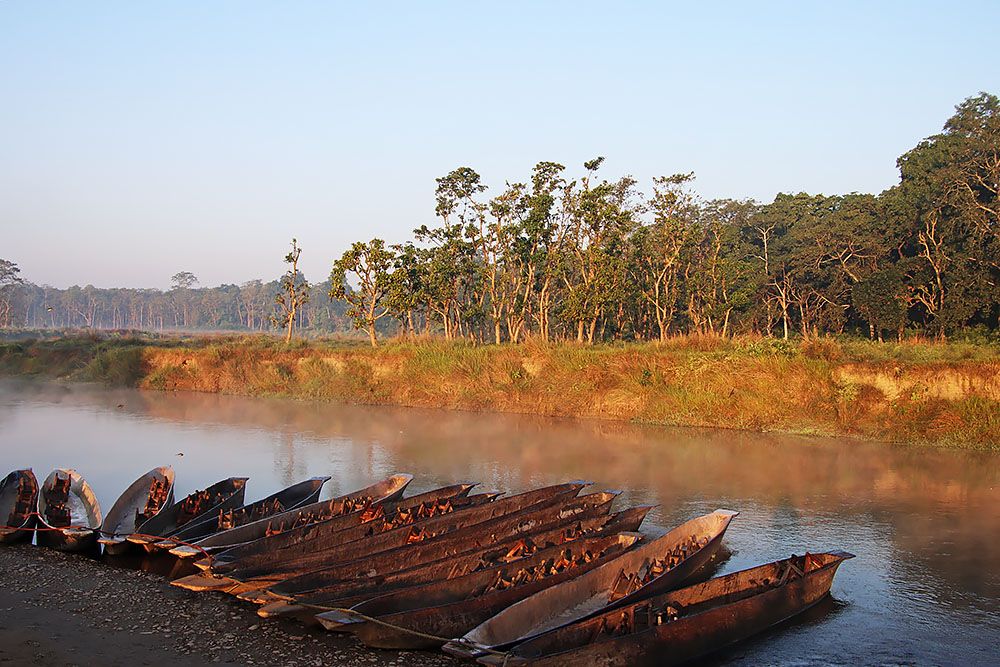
927 393
63 609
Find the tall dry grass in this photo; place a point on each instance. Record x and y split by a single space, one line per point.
911 392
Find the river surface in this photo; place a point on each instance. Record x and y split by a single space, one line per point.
924 523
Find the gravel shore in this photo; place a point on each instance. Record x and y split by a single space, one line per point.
66 609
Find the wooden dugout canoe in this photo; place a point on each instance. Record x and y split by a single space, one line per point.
356 591
388 489
678 626
234 578
139 503
18 503
308 538
355 545
475 536
289 498
654 567
379 536
389 531
223 495
68 512
453 554
452 608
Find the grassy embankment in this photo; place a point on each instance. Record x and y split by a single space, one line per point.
945 394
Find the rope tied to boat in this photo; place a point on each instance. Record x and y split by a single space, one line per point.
55 528
176 542
506 655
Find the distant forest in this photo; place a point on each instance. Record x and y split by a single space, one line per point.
246 307
577 257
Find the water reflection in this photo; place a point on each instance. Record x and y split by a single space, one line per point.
924 523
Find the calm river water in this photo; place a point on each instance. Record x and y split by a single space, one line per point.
924 523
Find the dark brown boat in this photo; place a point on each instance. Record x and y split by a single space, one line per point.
257 570
140 502
407 529
356 542
448 545
675 627
310 536
222 495
18 502
452 608
397 528
354 591
660 565
292 497
68 513
388 489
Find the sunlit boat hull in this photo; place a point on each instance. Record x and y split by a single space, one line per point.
679 626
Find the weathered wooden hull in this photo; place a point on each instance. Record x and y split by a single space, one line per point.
236 577
452 608
81 533
356 544
350 592
458 554
386 490
661 630
399 538
230 491
311 537
448 545
120 521
595 591
17 510
290 498
16 534
347 544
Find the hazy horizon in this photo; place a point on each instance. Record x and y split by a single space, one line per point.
140 140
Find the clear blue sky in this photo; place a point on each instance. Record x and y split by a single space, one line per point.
138 139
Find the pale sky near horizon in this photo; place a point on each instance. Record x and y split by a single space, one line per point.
139 139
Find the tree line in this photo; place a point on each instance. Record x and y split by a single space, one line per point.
574 256
588 259
185 306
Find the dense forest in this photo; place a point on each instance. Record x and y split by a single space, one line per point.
563 256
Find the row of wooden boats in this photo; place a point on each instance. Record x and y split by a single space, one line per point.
66 515
549 576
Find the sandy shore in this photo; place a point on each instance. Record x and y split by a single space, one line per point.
64 609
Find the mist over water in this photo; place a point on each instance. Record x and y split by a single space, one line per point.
924 523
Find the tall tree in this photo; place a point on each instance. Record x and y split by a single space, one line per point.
294 292
181 284
719 279
538 251
371 264
496 241
949 183
183 280
658 247
880 299
9 277
459 288
405 296
601 217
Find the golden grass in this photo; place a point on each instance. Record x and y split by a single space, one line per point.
923 392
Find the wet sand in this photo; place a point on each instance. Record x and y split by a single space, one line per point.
66 609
